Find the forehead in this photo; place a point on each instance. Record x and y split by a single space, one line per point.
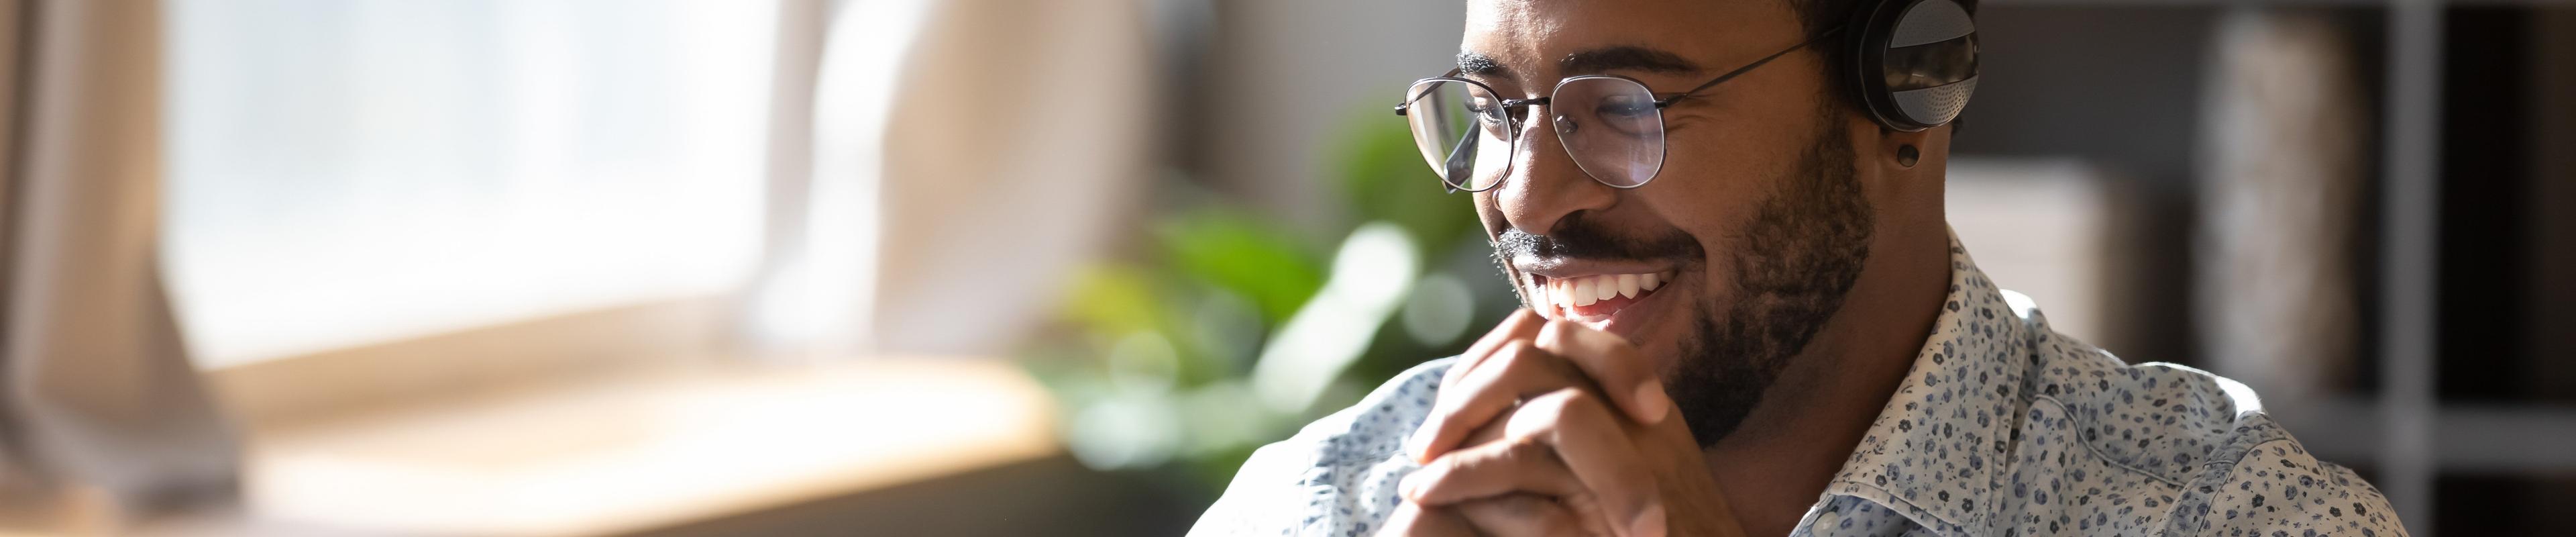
1528 37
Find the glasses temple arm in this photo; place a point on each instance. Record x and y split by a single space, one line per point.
1739 71
1408 102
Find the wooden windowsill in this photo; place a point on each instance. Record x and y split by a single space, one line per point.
644 450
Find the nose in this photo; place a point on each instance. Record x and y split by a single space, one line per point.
1545 186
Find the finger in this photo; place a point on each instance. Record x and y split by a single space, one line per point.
1523 515
1411 520
1628 377
1595 445
1521 324
1517 371
1495 469
1491 432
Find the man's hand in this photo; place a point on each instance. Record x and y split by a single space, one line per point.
1551 428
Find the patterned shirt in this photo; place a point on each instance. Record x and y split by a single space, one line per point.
2002 427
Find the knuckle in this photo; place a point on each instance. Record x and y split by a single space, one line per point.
1537 417
1524 450
1564 402
1499 458
1463 462
1515 352
1582 400
1488 375
1459 464
1557 332
1516 359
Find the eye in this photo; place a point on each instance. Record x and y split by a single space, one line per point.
1624 107
1484 110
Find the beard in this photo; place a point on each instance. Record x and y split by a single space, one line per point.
1797 259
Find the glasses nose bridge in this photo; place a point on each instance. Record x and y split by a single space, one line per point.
1532 165
1530 108
1538 107
1524 146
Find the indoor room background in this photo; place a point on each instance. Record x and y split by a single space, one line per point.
1024 267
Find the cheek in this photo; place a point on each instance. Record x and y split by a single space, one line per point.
1716 180
1710 172
1708 207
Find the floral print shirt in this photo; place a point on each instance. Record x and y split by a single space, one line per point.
2003 427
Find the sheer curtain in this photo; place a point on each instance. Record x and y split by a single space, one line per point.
967 156
347 172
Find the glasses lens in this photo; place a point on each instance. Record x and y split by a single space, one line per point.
1612 128
1462 132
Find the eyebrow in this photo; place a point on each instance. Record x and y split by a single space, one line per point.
1599 60
1626 58
1470 63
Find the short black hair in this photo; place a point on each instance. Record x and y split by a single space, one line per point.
1821 15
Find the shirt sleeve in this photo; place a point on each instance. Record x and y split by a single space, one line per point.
1338 476
1265 480
2279 489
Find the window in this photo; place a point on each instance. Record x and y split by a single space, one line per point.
344 172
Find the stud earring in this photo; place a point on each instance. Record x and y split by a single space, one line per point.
1906 155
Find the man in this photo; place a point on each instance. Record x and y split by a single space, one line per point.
1745 314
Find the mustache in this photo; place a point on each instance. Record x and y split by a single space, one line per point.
1578 238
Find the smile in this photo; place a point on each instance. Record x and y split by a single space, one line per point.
1594 299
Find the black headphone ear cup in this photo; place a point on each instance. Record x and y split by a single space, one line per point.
1913 63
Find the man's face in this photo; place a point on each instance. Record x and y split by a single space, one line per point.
1755 227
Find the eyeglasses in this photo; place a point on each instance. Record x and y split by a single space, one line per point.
1612 125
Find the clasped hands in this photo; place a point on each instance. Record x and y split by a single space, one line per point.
1553 428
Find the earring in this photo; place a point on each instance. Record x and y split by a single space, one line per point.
1906 155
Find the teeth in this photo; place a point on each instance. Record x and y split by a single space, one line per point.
1588 290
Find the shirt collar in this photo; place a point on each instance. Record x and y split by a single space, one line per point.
1936 451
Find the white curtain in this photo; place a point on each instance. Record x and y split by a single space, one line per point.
966 157
98 392
344 173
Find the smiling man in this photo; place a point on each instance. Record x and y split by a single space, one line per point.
1745 315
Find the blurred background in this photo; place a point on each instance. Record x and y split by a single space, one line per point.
968 267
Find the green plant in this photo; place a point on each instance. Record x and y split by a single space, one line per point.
1232 330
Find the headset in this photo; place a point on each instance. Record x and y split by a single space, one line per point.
1913 63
